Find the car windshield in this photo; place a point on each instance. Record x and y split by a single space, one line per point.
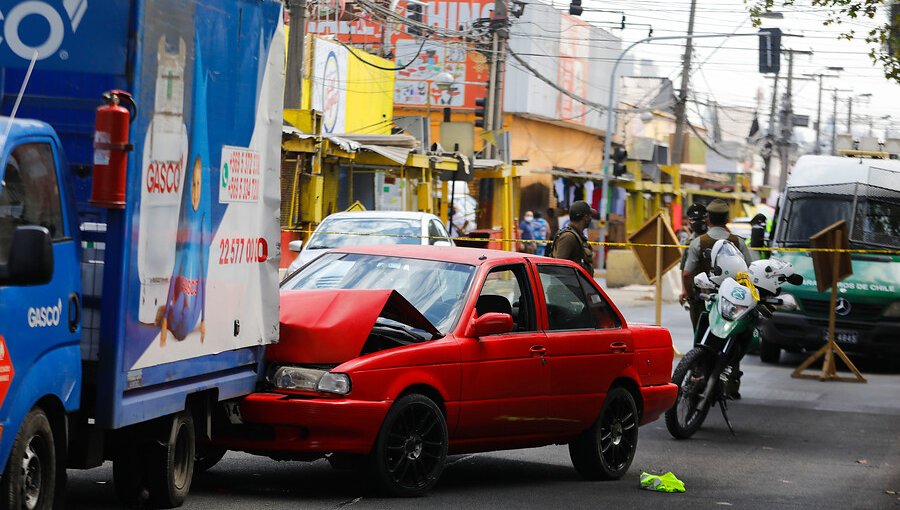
810 214
346 232
437 289
875 220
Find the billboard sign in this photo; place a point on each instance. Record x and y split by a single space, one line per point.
68 35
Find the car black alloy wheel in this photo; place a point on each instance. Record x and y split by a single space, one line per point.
618 432
605 451
691 376
411 448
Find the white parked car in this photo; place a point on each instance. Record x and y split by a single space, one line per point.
364 228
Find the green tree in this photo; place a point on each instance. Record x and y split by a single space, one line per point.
884 39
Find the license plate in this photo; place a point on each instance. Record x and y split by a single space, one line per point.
842 336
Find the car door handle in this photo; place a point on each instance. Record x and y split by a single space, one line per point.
618 347
538 350
74 312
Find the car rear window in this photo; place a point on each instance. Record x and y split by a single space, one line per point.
347 232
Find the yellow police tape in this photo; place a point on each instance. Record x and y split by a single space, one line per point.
609 243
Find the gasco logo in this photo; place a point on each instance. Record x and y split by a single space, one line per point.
45 316
36 13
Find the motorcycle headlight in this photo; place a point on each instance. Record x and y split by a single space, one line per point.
789 303
893 311
310 379
731 311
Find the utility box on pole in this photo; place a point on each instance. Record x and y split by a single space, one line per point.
769 50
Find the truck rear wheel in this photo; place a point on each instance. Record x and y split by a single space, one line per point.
172 463
29 480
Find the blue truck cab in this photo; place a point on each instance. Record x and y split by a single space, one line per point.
124 326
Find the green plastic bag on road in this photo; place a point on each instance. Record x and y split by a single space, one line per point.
662 483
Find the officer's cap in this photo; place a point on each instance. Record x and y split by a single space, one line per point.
581 208
717 206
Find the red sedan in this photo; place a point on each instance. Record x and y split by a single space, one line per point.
395 356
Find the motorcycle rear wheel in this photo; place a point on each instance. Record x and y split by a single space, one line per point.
691 375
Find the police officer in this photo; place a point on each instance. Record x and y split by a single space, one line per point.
570 242
697 217
698 254
699 260
758 233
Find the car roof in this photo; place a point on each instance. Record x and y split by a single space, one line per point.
456 254
406 215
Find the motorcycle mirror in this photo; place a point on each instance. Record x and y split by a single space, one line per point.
795 279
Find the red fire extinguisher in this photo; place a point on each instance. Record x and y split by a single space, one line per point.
111 149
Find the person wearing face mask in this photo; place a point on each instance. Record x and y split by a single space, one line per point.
526 232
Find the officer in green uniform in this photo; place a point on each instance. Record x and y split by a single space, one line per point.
570 242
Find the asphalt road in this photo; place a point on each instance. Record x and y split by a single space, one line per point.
800 444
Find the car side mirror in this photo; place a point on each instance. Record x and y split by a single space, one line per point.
30 258
295 246
443 243
493 324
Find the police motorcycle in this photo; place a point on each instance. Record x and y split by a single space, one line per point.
737 298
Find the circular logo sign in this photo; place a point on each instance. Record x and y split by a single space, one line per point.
331 93
842 307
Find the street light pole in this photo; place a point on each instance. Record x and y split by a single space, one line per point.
610 111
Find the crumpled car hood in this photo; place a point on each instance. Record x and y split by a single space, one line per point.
332 326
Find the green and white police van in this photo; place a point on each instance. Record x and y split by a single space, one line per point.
864 192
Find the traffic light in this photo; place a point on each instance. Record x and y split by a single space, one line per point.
413 13
619 156
575 8
480 110
769 50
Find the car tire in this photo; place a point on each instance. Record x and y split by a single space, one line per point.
411 448
769 352
172 463
29 480
207 456
606 450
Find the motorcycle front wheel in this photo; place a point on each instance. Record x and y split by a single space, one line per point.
691 376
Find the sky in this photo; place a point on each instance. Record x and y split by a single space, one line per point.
726 70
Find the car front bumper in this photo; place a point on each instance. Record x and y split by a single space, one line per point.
657 400
279 424
798 332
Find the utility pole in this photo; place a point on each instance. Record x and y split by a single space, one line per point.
770 136
834 125
681 102
296 55
787 125
850 115
500 27
821 77
818 149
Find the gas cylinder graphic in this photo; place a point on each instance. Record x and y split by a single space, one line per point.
162 184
